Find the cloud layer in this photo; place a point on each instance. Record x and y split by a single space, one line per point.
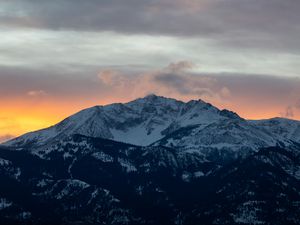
272 24
236 36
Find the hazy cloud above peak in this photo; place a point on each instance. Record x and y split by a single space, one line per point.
175 80
247 94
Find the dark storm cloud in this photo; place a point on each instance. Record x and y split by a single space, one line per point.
272 24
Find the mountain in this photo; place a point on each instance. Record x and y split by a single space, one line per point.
154 160
139 122
85 180
194 126
280 128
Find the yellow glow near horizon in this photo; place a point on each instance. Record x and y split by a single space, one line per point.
25 117
20 116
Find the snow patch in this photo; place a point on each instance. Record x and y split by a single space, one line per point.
103 157
4 203
127 165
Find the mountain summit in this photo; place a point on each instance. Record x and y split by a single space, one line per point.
142 121
156 120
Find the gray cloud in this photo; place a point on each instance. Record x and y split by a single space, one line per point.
31 83
175 80
175 76
272 24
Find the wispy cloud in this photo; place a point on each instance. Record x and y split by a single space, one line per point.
175 80
35 93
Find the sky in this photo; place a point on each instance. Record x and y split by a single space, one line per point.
60 56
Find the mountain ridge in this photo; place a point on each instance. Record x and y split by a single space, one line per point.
151 104
205 166
78 180
156 120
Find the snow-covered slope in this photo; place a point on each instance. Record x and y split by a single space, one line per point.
156 120
280 128
225 134
139 122
84 180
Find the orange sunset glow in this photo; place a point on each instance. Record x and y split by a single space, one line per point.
20 116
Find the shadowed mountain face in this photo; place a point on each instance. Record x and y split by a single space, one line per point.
153 161
97 181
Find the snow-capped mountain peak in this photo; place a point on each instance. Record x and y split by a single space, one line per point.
141 121
157 120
